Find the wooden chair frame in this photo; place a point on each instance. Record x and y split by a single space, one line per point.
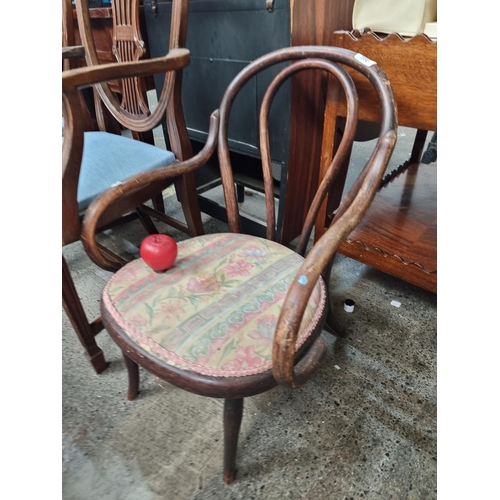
130 112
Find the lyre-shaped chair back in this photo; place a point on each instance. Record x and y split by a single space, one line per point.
131 111
129 46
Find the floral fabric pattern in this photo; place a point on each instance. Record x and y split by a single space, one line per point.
216 309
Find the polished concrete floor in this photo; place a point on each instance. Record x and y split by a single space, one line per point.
364 426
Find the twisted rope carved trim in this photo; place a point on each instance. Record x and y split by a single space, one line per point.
385 254
393 174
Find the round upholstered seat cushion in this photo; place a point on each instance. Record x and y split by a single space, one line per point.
215 311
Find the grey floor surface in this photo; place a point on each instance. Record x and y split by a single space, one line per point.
364 426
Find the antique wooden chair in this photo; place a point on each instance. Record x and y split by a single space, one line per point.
236 314
104 158
115 158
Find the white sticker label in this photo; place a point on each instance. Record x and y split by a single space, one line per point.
362 59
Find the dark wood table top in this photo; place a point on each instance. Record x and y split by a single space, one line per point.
399 232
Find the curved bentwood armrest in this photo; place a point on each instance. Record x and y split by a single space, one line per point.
351 211
354 205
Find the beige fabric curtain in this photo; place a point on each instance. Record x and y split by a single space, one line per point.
406 17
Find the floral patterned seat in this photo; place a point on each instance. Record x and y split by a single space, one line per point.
214 312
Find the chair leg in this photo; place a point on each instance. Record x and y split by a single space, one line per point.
146 221
332 324
185 187
76 314
240 193
133 377
158 203
233 412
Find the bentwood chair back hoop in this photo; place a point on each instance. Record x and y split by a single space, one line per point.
237 314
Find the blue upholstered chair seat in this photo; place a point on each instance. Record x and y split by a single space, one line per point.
110 158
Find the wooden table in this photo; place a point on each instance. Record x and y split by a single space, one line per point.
399 234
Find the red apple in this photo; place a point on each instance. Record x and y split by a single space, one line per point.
158 251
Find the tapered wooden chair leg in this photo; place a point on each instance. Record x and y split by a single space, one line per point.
332 324
83 328
158 203
133 377
233 412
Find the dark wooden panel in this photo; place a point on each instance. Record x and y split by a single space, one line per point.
102 29
312 24
223 37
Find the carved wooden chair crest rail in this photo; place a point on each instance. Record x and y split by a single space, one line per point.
236 314
94 160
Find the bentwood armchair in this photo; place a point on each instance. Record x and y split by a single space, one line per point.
94 160
237 314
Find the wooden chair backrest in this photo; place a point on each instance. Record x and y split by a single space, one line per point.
332 60
169 104
131 110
